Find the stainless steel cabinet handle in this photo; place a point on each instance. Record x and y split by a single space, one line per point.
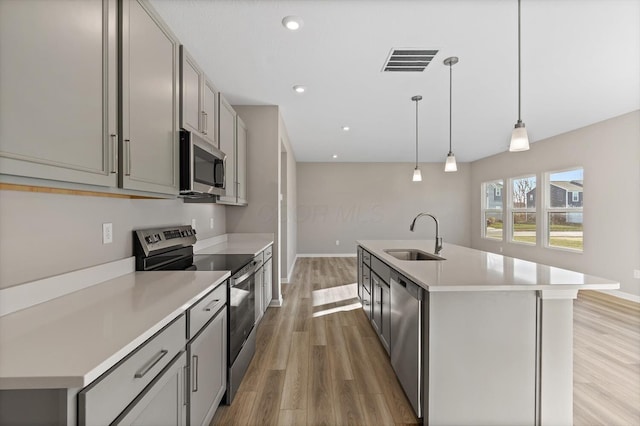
128 148
114 155
205 123
210 306
185 385
152 362
194 362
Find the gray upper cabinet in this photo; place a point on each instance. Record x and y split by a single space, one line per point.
227 123
58 90
150 101
198 100
241 161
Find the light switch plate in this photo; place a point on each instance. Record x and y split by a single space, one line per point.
636 273
193 223
211 223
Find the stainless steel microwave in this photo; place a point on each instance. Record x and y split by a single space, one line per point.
202 165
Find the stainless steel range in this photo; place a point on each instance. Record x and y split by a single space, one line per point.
171 249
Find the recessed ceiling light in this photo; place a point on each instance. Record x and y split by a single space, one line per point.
346 128
299 89
335 155
292 23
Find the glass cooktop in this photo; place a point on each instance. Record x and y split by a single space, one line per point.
221 262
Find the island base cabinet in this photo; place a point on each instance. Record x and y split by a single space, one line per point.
163 401
267 283
496 382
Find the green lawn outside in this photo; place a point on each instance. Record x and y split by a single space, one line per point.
532 227
571 243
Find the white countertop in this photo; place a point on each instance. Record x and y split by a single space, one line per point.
239 244
467 269
69 341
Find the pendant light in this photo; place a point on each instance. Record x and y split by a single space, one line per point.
519 138
417 176
450 165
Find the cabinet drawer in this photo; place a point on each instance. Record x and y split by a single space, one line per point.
206 309
366 257
268 252
381 268
104 399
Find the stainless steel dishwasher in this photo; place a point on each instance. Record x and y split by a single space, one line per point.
407 342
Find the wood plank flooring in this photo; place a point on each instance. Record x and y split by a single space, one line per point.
318 361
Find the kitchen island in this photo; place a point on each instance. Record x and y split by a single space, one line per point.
496 332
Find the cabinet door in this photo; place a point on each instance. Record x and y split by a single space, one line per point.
241 162
366 303
209 113
191 83
208 368
58 90
227 124
386 317
376 301
259 283
150 69
162 402
268 282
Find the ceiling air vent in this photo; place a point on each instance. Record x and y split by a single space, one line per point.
408 60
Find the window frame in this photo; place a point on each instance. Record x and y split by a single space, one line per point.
547 209
485 210
511 210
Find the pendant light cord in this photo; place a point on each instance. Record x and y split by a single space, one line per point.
450 102
519 82
417 133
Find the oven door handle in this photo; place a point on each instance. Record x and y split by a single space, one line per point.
236 280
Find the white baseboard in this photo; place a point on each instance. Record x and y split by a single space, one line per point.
622 295
327 255
276 303
287 279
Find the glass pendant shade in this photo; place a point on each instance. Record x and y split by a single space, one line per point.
519 138
450 165
417 176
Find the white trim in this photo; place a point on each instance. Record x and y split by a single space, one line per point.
328 255
621 295
23 296
287 279
276 303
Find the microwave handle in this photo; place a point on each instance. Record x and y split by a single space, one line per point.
224 173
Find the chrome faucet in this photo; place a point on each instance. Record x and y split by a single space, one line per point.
438 237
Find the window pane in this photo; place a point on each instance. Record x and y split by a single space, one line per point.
493 225
565 230
493 195
524 227
524 192
566 189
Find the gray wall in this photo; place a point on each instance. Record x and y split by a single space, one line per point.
353 201
288 206
609 152
45 234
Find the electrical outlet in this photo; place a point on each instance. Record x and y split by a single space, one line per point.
193 223
107 233
337 242
211 223
636 273
500 248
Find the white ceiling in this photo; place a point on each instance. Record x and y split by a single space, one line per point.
580 65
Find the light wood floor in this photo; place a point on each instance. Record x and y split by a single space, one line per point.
318 361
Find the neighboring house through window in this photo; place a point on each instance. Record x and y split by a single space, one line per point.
563 207
522 210
492 210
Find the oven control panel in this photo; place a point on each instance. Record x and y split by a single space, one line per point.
152 240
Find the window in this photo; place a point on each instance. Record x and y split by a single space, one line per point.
522 210
492 210
565 195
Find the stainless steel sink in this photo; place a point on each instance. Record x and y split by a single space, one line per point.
412 254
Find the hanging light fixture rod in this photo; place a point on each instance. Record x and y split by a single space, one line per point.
450 164
417 175
519 137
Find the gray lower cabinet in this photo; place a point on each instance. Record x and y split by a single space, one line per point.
58 90
268 281
208 370
163 401
150 101
375 294
259 286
